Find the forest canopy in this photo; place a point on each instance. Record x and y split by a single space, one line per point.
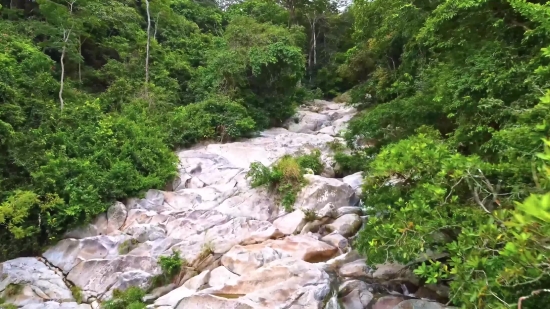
454 109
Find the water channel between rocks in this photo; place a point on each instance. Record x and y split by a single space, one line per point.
243 250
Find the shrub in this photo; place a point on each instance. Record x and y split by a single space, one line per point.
13 289
286 176
171 267
128 245
310 215
311 161
206 250
129 299
77 293
442 201
216 117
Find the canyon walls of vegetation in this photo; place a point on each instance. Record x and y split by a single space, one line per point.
96 94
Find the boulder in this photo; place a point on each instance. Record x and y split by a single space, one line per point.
320 191
29 281
277 284
243 259
357 269
328 211
307 122
221 276
210 301
334 264
350 285
347 210
328 130
158 292
395 272
197 282
437 292
172 298
346 225
337 240
357 299
116 216
387 302
56 305
418 304
68 253
250 203
355 181
291 223
99 276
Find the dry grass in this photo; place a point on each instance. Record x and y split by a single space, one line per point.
290 169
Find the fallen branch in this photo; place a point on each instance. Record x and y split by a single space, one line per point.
534 293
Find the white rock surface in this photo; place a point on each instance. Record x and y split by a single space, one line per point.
285 283
243 250
35 281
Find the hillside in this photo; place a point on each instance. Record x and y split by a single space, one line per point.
449 136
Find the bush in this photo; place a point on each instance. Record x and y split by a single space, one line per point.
129 299
78 163
286 176
442 201
259 64
216 117
128 245
171 267
77 293
311 161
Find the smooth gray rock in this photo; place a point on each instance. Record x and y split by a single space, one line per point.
346 225
35 281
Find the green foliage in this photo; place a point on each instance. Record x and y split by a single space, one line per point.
426 197
128 245
216 117
311 161
129 299
171 267
77 293
310 215
213 74
258 64
12 290
286 176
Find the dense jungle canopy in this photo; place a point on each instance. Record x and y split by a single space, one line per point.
96 94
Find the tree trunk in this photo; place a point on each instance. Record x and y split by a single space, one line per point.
314 41
148 45
62 78
79 62
156 23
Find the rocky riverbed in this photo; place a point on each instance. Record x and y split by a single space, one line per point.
243 250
